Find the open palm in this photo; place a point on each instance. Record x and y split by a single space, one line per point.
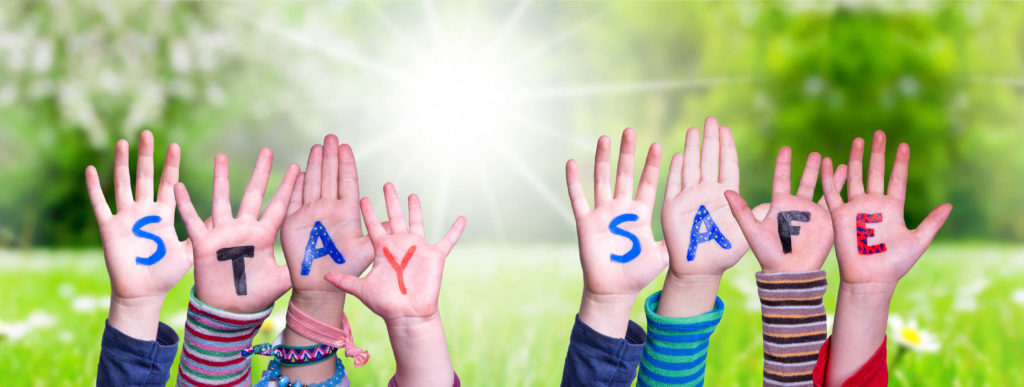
328 192
137 268
405 281
862 258
217 282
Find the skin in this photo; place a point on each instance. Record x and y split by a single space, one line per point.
867 282
693 180
412 319
137 292
811 246
214 280
610 288
328 192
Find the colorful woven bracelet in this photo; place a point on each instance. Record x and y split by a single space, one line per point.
292 356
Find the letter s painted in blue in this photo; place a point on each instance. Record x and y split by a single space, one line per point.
160 250
614 228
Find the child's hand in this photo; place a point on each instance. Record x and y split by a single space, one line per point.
143 255
405 280
326 195
796 234
617 248
873 244
235 267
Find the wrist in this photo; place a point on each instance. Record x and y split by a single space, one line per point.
137 317
607 314
874 291
688 295
412 328
325 306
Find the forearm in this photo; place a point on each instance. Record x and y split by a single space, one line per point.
606 314
138 318
794 323
421 351
688 295
327 308
862 311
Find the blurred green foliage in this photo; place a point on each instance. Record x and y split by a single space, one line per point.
945 77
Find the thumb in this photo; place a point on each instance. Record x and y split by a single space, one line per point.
761 211
741 211
347 283
930 226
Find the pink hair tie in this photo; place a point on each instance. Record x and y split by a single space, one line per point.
319 332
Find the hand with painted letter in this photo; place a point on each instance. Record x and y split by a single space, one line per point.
235 268
143 255
793 233
874 248
618 251
403 287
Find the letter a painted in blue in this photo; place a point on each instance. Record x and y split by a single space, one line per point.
614 228
712 232
319 232
160 249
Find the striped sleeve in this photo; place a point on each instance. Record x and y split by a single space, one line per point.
213 338
793 317
676 348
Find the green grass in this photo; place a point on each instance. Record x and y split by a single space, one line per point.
508 311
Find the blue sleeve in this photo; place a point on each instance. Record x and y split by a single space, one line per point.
127 361
598 360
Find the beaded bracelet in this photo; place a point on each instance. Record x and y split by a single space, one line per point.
273 373
292 356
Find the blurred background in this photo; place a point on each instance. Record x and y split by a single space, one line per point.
476 106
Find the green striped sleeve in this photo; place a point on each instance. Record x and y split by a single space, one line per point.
676 348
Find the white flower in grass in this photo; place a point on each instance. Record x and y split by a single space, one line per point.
18 329
272 326
908 334
88 304
1018 296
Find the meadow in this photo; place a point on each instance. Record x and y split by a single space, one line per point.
508 310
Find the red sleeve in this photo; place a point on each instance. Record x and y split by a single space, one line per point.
874 373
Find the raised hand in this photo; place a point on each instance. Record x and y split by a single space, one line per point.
796 233
143 255
235 268
617 248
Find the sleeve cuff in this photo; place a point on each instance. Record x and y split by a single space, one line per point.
125 356
214 338
677 347
874 372
794 324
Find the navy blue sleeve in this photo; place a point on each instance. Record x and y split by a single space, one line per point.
598 360
127 361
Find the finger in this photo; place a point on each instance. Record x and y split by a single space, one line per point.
295 200
647 191
349 176
691 158
329 174
193 223
709 151
781 186
311 186
730 174
742 213
452 236
386 226
577 199
602 171
373 227
832 197
144 168
122 177
931 224
415 215
394 208
839 179
221 190
347 283
624 177
169 175
252 199
99 203
279 203
809 178
876 167
674 185
898 178
854 177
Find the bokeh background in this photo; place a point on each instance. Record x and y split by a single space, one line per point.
476 106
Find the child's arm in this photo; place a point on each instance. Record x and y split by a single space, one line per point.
324 211
144 260
620 257
236 277
790 243
403 287
875 249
